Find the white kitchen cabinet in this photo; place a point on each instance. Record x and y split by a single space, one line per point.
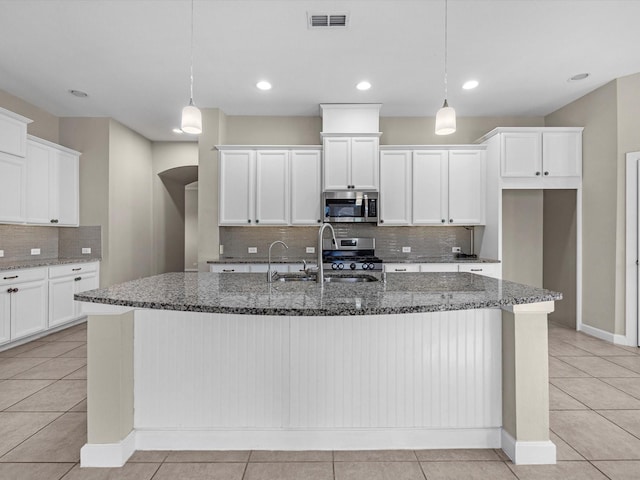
229 268
65 199
395 197
13 133
272 187
23 303
64 282
487 269
433 186
350 163
39 187
537 157
306 189
401 267
13 176
438 267
430 187
236 190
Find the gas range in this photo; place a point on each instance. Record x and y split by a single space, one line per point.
351 254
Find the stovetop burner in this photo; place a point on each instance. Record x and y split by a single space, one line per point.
351 254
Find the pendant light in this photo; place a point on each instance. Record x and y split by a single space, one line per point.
446 116
191 116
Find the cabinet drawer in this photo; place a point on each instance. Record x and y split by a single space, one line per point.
229 268
401 267
72 269
9 277
487 269
438 267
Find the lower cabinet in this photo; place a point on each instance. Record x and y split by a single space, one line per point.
257 267
23 303
64 282
487 269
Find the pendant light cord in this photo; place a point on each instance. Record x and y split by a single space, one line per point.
445 51
191 97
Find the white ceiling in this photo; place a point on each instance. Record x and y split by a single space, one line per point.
132 56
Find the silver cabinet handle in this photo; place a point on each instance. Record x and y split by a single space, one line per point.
76 269
476 269
11 278
400 269
77 279
228 270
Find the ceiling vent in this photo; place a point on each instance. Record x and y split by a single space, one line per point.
327 20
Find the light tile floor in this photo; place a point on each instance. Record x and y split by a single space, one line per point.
595 423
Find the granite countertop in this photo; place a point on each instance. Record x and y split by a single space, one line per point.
250 294
42 262
385 260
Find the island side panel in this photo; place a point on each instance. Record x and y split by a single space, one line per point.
525 384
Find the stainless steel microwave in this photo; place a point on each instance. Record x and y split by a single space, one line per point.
350 207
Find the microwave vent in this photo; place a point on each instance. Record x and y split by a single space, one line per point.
327 20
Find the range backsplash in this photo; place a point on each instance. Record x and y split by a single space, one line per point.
424 241
53 242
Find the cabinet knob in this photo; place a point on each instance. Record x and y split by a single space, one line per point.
546 173
15 290
451 220
54 220
319 221
249 221
537 174
381 221
444 221
9 290
257 221
77 279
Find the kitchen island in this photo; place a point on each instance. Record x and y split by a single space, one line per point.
187 361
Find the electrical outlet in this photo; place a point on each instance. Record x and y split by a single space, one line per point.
86 250
406 249
456 250
221 249
1 253
252 249
310 250
35 251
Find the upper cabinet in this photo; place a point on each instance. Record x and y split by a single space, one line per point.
432 186
256 186
549 157
13 133
350 163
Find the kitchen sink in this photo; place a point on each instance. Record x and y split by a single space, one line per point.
294 277
350 278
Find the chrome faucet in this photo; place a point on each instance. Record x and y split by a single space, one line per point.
320 276
275 272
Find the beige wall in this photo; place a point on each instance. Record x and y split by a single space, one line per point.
260 130
44 125
522 236
597 112
169 160
559 251
91 137
191 227
130 205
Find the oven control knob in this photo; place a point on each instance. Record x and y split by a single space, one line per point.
334 266
365 266
340 266
352 266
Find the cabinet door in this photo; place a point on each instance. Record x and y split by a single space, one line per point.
337 155
272 187
13 135
38 191
395 187
305 187
82 283
466 187
562 154
5 315
62 307
28 309
236 188
12 188
364 163
521 154
65 188
430 174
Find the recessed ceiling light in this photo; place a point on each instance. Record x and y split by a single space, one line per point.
364 85
78 93
578 77
263 85
177 130
470 85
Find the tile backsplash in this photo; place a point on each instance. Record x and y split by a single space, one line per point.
53 242
424 241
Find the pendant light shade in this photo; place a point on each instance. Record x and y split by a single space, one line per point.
446 116
191 115
445 120
191 119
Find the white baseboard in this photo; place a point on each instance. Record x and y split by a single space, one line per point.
528 453
108 454
606 336
364 439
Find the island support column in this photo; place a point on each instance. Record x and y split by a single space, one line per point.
110 436
525 384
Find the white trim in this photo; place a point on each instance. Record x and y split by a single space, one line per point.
528 453
631 250
604 335
343 439
579 258
108 454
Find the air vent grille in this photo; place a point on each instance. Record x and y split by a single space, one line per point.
328 20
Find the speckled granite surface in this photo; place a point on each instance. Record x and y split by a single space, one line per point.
43 262
386 260
250 294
